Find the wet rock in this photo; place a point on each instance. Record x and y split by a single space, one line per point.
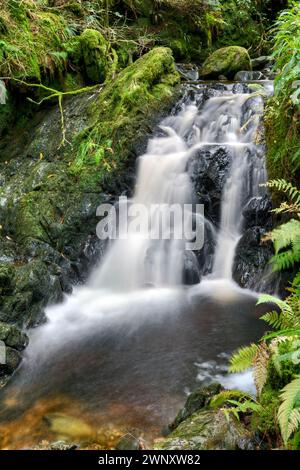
188 71
13 336
261 62
208 169
208 430
34 286
64 425
258 212
196 401
57 445
13 359
244 76
251 259
131 441
226 61
191 273
240 88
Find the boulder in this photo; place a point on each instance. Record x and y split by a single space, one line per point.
226 61
197 400
13 336
208 430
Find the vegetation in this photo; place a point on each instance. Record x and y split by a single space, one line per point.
276 359
282 117
117 59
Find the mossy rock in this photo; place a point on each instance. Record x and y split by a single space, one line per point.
226 61
13 336
208 430
196 401
95 50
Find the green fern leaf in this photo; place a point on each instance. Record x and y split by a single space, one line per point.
243 358
289 411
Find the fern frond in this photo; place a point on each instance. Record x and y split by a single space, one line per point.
218 400
261 361
273 319
287 332
283 305
286 187
289 411
243 358
286 235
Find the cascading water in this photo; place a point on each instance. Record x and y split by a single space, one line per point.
163 180
134 335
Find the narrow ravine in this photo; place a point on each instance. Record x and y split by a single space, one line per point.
123 350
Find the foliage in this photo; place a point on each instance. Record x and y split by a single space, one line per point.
289 410
282 116
286 237
234 402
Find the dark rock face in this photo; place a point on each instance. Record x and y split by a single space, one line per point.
257 212
208 169
252 256
251 260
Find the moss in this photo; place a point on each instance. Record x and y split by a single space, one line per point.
208 430
31 41
282 124
124 103
226 61
280 376
75 7
95 51
265 421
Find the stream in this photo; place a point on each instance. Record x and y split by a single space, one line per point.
123 351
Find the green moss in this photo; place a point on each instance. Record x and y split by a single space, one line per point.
75 7
279 375
282 124
31 41
266 420
226 61
123 105
95 51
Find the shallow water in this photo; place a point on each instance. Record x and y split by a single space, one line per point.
134 368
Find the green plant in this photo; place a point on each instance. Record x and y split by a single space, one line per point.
289 410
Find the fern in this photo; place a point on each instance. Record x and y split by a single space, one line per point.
286 240
243 358
273 319
261 362
218 400
289 410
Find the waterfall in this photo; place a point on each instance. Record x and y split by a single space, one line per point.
115 341
225 120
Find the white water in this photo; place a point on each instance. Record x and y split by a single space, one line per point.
163 179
